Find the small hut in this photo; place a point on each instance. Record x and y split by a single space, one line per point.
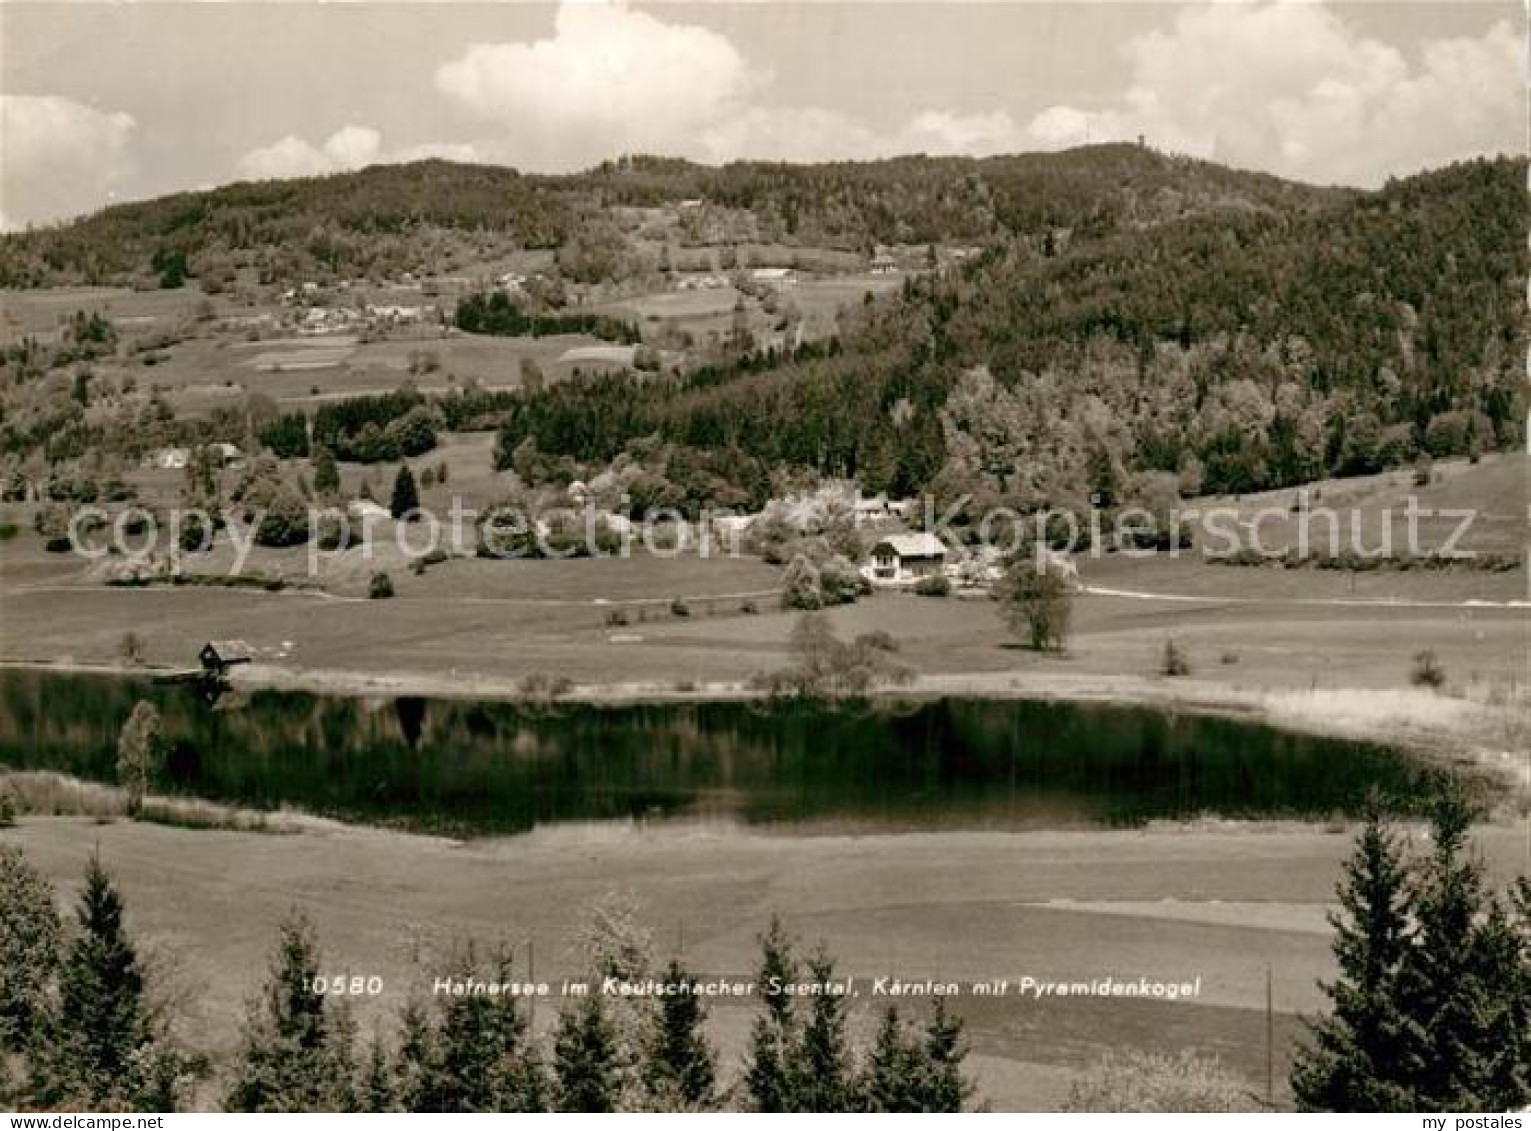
218 656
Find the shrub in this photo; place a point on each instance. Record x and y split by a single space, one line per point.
933 585
381 587
541 687
828 668
840 582
800 587
284 521
1148 1082
1427 670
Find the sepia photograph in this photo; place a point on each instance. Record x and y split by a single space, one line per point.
776 556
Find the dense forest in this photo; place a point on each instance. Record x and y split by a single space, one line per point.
395 218
1238 351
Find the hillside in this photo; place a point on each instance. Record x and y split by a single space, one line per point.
1236 352
1118 324
388 219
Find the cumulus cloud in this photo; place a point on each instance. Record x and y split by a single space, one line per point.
57 154
1293 88
348 148
612 80
609 80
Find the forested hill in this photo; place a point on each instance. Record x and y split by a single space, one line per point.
388 219
1242 350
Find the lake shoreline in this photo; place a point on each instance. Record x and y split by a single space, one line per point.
1456 733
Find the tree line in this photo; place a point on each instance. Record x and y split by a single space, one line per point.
85 1022
496 313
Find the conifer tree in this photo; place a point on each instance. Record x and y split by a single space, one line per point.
413 1072
1502 959
767 1076
1431 1011
681 1070
377 1092
297 1050
820 1065
102 1047
585 1061
944 1087
1450 986
477 1057
890 1080
1358 1056
406 497
31 945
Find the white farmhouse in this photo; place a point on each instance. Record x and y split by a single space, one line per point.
901 559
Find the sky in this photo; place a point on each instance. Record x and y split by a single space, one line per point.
111 102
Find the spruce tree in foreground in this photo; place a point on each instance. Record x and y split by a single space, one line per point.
1457 983
1361 1051
820 1067
478 1059
586 1065
297 1049
1431 1010
378 1088
767 1077
103 1048
890 1081
909 1072
31 943
680 1071
944 1087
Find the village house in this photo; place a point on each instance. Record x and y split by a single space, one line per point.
168 459
774 276
902 559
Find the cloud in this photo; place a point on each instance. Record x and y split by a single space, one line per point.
610 80
348 148
1293 88
57 155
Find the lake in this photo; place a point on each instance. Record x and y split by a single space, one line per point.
492 768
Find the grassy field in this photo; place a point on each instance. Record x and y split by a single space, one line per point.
1171 904
1249 633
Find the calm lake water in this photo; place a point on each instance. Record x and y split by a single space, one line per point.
472 768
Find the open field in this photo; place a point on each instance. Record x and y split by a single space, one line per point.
1163 903
1258 638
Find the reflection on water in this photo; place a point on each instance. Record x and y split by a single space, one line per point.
473 768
